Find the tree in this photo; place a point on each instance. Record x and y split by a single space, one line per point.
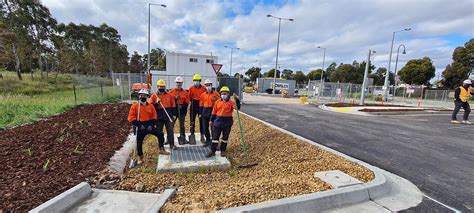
329 70
136 63
300 78
349 73
270 73
461 67
287 74
315 74
418 71
157 58
253 73
379 77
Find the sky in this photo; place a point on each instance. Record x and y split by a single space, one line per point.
346 28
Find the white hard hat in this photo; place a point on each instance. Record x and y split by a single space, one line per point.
179 79
144 91
467 81
207 81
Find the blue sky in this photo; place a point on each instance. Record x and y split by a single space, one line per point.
347 28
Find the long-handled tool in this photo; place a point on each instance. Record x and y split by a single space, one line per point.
192 137
133 162
246 164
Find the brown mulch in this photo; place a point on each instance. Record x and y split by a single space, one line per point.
45 158
286 168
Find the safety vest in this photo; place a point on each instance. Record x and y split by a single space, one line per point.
222 113
183 96
464 94
206 103
195 92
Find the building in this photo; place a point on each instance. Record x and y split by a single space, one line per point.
185 65
264 85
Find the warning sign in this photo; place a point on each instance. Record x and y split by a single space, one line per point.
217 68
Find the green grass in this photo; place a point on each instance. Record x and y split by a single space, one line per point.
29 100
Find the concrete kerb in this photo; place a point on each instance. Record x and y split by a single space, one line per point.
327 199
65 200
167 194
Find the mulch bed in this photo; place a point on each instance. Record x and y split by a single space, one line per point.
391 110
45 158
357 105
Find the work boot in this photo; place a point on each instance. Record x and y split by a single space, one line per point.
174 147
210 154
192 139
163 151
455 122
223 154
203 139
466 122
166 142
140 160
181 140
207 144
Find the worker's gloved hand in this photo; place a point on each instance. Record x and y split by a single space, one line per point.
180 107
174 118
177 97
149 128
235 96
214 98
142 127
210 123
158 100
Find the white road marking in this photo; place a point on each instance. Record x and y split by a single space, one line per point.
448 207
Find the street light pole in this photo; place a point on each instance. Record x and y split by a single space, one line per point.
231 52
321 82
385 91
149 17
364 84
396 61
278 47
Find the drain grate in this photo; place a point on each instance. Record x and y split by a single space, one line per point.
190 153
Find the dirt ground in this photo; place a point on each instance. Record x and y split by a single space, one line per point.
285 168
45 158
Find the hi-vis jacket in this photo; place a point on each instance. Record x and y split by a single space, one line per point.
147 115
206 103
195 95
222 112
462 94
183 100
167 101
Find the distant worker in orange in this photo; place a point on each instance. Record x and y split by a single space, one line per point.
195 92
461 100
221 121
165 107
142 116
181 98
206 103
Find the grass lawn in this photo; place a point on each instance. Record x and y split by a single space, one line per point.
31 99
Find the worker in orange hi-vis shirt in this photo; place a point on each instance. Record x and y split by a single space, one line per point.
206 103
142 116
181 97
166 110
195 92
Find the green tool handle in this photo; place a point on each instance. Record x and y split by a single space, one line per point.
244 146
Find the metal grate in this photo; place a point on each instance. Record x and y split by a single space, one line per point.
190 153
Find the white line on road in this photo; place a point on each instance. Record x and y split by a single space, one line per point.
449 207
458 127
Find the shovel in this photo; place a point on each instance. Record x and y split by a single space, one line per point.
133 162
192 137
246 163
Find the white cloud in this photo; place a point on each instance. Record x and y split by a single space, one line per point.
346 28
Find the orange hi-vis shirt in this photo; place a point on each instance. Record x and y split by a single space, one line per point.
167 101
147 113
222 113
183 96
195 92
206 102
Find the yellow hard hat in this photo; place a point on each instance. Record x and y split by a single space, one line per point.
161 83
196 77
225 89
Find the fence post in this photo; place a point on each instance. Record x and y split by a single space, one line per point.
101 90
74 89
129 86
121 86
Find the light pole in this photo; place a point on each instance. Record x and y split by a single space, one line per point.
149 17
259 60
231 51
385 85
321 82
366 73
278 46
396 61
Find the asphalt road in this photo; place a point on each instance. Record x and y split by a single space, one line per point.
435 155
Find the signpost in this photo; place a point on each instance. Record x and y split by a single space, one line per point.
217 68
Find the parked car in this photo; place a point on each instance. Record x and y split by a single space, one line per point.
137 87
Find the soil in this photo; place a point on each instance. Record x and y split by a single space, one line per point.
286 167
43 159
357 105
391 110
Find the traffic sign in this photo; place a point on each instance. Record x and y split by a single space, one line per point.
216 67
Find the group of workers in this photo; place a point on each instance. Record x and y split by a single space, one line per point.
162 109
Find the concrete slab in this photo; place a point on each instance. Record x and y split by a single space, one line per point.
190 158
118 162
65 200
366 207
337 178
121 201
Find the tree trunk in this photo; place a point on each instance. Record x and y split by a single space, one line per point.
17 62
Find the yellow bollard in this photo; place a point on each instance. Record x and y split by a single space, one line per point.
304 100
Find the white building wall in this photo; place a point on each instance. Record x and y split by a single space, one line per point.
179 64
